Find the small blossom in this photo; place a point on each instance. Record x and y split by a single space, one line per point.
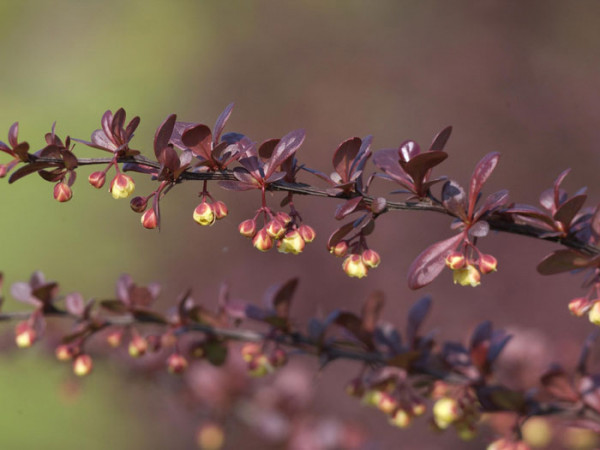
401 418
82 365
210 436
278 358
466 431
25 335
176 363
456 260
97 179
487 264
371 258
250 351
292 242
387 403
445 411
262 241
204 214
260 366
354 266
594 314
114 338
62 192
467 276
64 352
137 346
220 210
149 219
3 170
275 228
355 388
340 249
121 186
138 204
247 228
579 306
283 218
308 233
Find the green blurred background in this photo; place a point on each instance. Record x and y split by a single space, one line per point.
516 77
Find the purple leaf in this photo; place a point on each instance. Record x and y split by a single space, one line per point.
569 209
492 202
430 262
344 156
556 190
266 149
454 199
439 142
347 208
482 172
421 164
480 229
563 261
371 311
416 316
339 234
199 140
408 150
75 304
28 170
220 123
13 133
286 147
163 134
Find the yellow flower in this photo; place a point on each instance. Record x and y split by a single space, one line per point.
354 266
292 242
204 214
467 276
594 314
121 186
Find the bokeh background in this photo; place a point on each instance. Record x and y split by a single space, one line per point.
516 77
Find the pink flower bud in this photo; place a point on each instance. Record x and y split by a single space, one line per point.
64 352
82 365
250 351
149 219
456 260
400 418
371 258
275 228
260 366
284 218
340 249
3 170
247 228
262 241
307 233
487 264
62 192
176 363
97 179
579 306
354 266
204 214
292 242
387 403
137 346
467 276
220 209
138 204
114 338
445 411
210 436
121 186
25 335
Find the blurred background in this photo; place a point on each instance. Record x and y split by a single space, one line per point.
520 78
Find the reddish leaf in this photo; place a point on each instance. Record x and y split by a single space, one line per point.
148 316
265 150
220 123
75 304
439 142
352 323
569 209
118 122
408 150
418 166
116 306
163 134
492 202
339 234
430 262
199 140
482 172
454 199
556 189
283 298
563 260
371 311
347 208
557 382
132 126
343 157
13 133
479 229
28 170
286 147
416 316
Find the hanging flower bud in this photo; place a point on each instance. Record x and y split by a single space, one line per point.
445 411
210 436
579 306
176 363
114 338
250 350
400 419
204 214
275 228
64 352
340 249
247 228
284 218
387 403
82 365
278 358
97 179
307 233
456 260
220 209
139 204
467 276
121 186
487 264
594 314
355 388
25 335
371 258
62 192
262 241
3 170
137 346
260 366
149 219
292 242
354 266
